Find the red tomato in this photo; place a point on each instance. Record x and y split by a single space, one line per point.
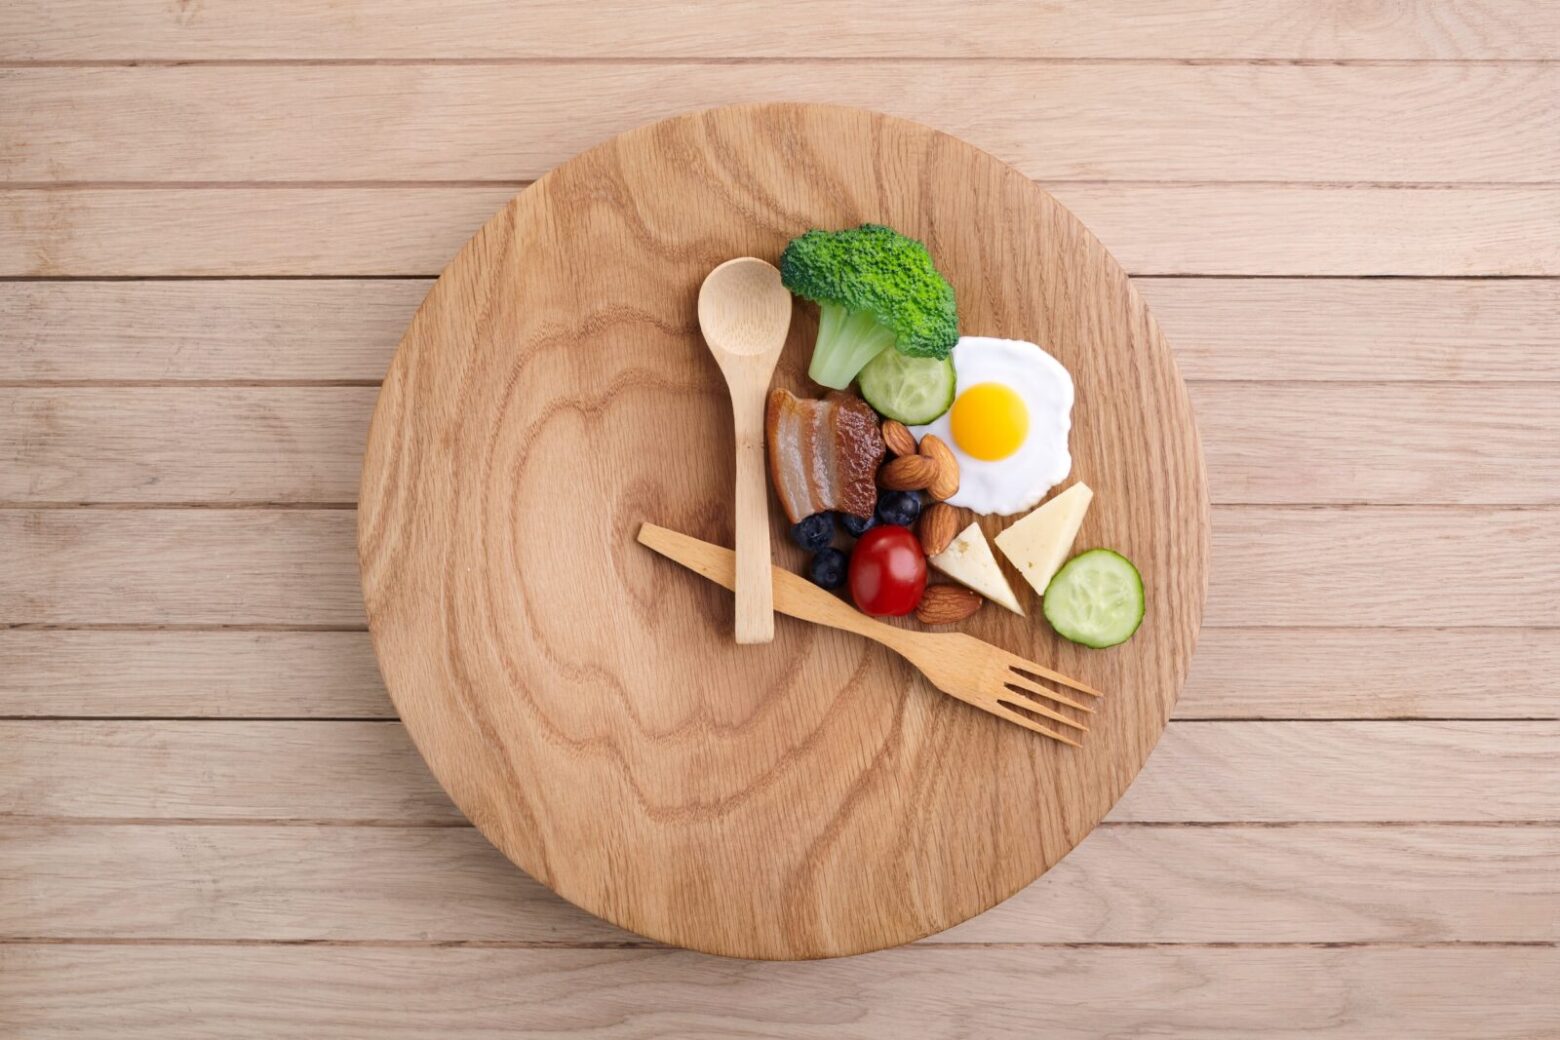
887 571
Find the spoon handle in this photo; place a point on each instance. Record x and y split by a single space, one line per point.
755 588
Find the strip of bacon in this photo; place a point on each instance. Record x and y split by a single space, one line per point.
823 454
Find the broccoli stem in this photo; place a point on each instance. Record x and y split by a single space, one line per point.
847 340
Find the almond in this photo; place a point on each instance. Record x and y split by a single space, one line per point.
946 604
908 473
945 484
898 437
939 523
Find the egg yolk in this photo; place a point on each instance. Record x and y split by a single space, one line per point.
989 421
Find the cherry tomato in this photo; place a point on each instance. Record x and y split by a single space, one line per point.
887 571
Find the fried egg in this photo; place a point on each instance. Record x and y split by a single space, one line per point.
1008 426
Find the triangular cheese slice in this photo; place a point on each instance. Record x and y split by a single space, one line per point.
968 560
1039 543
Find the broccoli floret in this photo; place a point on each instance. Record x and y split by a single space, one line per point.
876 289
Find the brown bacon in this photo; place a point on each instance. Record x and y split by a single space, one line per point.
823 454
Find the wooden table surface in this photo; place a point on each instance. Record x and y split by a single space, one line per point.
216 218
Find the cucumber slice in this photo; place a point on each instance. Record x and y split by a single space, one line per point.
1095 599
913 390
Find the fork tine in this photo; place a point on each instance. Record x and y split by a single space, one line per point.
1002 711
1041 709
1029 686
1019 664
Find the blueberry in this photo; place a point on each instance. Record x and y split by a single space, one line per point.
828 568
815 532
898 507
856 525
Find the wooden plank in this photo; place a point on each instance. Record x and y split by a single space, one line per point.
1372 331
281 883
1395 123
201 674
218 330
1265 443
1328 444
221 232
277 567
1313 883
1303 673
185 444
334 993
1355 771
1327 231
1221 329
1201 772
64 30
1124 884
1152 229
1392 566
1321 673
1380 566
355 771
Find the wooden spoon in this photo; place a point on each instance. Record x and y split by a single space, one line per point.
744 313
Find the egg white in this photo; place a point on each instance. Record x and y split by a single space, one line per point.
1042 461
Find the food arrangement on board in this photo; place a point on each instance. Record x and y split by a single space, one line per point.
942 422
939 426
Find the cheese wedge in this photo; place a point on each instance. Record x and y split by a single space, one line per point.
968 560
1038 544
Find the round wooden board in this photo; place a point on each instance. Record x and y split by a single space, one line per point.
582 699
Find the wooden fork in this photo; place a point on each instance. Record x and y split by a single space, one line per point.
960 665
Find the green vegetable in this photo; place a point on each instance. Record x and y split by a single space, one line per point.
875 288
1096 599
913 390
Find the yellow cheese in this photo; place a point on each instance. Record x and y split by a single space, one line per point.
1039 543
969 561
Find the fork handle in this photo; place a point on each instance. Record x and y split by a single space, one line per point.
795 596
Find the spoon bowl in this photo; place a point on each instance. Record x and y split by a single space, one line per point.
744 310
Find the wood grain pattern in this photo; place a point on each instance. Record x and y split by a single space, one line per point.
274 567
1412 445
1238 673
1123 884
1318 764
1378 331
1393 566
1324 673
1151 229
1279 444
1278 565
1396 123
1202 772
286 331
356 771
1222 329
64 30
1332 231
731 799
272 445
203 674
400 994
